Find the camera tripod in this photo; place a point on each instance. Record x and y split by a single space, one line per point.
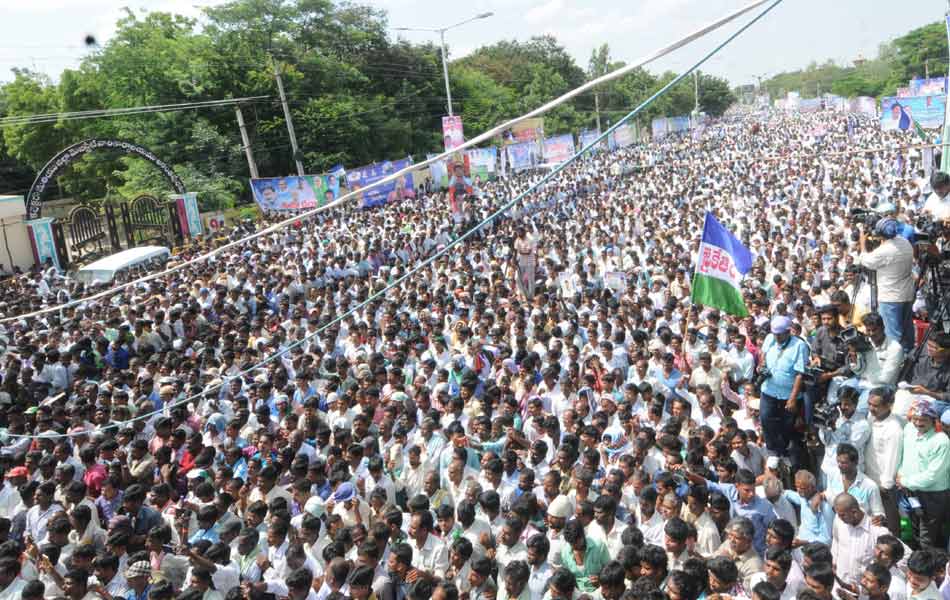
938 311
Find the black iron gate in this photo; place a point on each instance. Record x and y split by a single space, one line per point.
146 220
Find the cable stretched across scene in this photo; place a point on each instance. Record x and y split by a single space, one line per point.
487 135
426 262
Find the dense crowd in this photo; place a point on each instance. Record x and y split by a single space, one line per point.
541 413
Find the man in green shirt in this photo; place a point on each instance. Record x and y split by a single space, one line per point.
583 556
924 474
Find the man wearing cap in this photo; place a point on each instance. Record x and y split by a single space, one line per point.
347 504
784 359
10 492
924 474
137 577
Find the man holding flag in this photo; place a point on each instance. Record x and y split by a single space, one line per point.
720 265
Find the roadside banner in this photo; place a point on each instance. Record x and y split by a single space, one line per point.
900 113
452 133
388 193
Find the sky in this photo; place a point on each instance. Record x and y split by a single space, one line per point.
47 35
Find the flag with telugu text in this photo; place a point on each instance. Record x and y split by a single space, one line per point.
720 266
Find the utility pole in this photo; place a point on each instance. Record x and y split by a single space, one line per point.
696 91
251 165
445 72
926 68
597 108
289 120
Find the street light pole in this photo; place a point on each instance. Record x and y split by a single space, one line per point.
445 73
445 58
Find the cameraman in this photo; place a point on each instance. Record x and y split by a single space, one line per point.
930 377
824 356
784 360
892 262
872 361
937 205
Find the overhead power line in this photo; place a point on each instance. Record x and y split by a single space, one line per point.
118 112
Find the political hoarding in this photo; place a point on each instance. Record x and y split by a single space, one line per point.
808 105
388 193
587 137
452 133
482 163
522 156
477 163
899 113
625 135
297 193
679 124
528 130
865 105
928 87
559 148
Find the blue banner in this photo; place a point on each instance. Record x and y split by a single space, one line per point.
587 137
899 113
522 156
393 191
559 148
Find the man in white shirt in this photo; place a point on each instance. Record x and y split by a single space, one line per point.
428 553
892 263
853 538
883 451
10 582
937 205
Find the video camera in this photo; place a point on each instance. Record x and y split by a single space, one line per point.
928 230
864 216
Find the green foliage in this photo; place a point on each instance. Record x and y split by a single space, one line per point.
356 96
897 62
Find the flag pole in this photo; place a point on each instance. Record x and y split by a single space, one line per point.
945 150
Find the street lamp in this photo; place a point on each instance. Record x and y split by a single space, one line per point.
445 65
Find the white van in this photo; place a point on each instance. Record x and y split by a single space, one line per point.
105 269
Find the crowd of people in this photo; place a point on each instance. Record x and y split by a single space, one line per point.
540 413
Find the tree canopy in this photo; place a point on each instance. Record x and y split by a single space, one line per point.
356 96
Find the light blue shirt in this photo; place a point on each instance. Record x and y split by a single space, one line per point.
785 363
760 511
815 526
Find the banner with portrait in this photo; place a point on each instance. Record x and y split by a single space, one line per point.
679 124
297 193
481 162
899 113
587 137
522 156
810 105
625 135
928 87
559 148
528 130
864 105
284 193
388 193
452 133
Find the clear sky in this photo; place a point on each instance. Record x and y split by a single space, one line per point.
48 34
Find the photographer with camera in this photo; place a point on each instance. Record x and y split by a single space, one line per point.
929 377
872 360
784 359
937 205
892 262
826 358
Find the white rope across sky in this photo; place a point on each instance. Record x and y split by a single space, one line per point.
428 261
485 136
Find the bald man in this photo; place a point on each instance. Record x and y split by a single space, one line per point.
853 537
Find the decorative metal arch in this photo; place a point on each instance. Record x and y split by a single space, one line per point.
55 166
